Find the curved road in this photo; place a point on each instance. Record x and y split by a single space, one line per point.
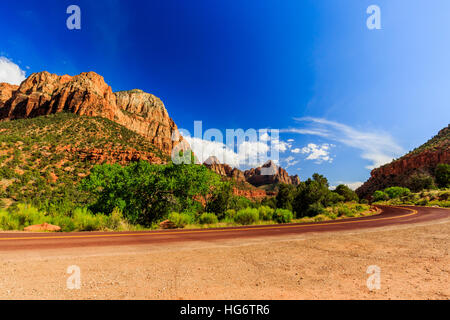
389 216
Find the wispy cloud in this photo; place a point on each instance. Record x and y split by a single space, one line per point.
377 147
290 161
10 72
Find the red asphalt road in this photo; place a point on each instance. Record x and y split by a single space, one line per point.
388 217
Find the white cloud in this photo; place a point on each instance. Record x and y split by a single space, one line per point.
264 137
377 147
10 72
352 185
318 153
280 146
249 153
290 161
296 150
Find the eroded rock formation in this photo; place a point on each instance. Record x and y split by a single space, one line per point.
422 160
87 94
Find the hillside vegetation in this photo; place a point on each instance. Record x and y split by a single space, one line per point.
43 159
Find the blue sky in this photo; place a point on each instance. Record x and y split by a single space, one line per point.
347 96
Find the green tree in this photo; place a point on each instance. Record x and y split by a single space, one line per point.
442 174
419 182
397 192
220 199
380 196
269 202
285 196
346 192
309 192
146 192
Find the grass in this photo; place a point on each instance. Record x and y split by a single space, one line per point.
428 198
340 211
80 219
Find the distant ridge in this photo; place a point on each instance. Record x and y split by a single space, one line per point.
422 160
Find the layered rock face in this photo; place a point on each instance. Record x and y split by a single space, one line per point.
224 169
6 91
269 173
423 160
87 94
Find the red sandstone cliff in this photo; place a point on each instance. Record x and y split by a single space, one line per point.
421 160
87 94
269 173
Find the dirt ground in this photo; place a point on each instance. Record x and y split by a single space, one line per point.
413 260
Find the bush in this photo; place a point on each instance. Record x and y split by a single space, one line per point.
315 209
238 203
422 202
84 220
442 174
344 211
285 196
346 192
181 219
269 202
7 221
220 199
319 218
115 219
419 182
380 196
230 214
282 216
266 213
247 216
208 218
397 192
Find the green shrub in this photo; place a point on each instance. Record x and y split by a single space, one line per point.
208 218
230 214
7 221
344 211
66 223
315 209
442 174
320 217
84 220
422 202
419 182
282 216
115 219
238 203
444 195
247 216
181 219
380 196
397 192
266 213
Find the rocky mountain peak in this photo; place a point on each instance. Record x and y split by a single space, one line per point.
88 94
